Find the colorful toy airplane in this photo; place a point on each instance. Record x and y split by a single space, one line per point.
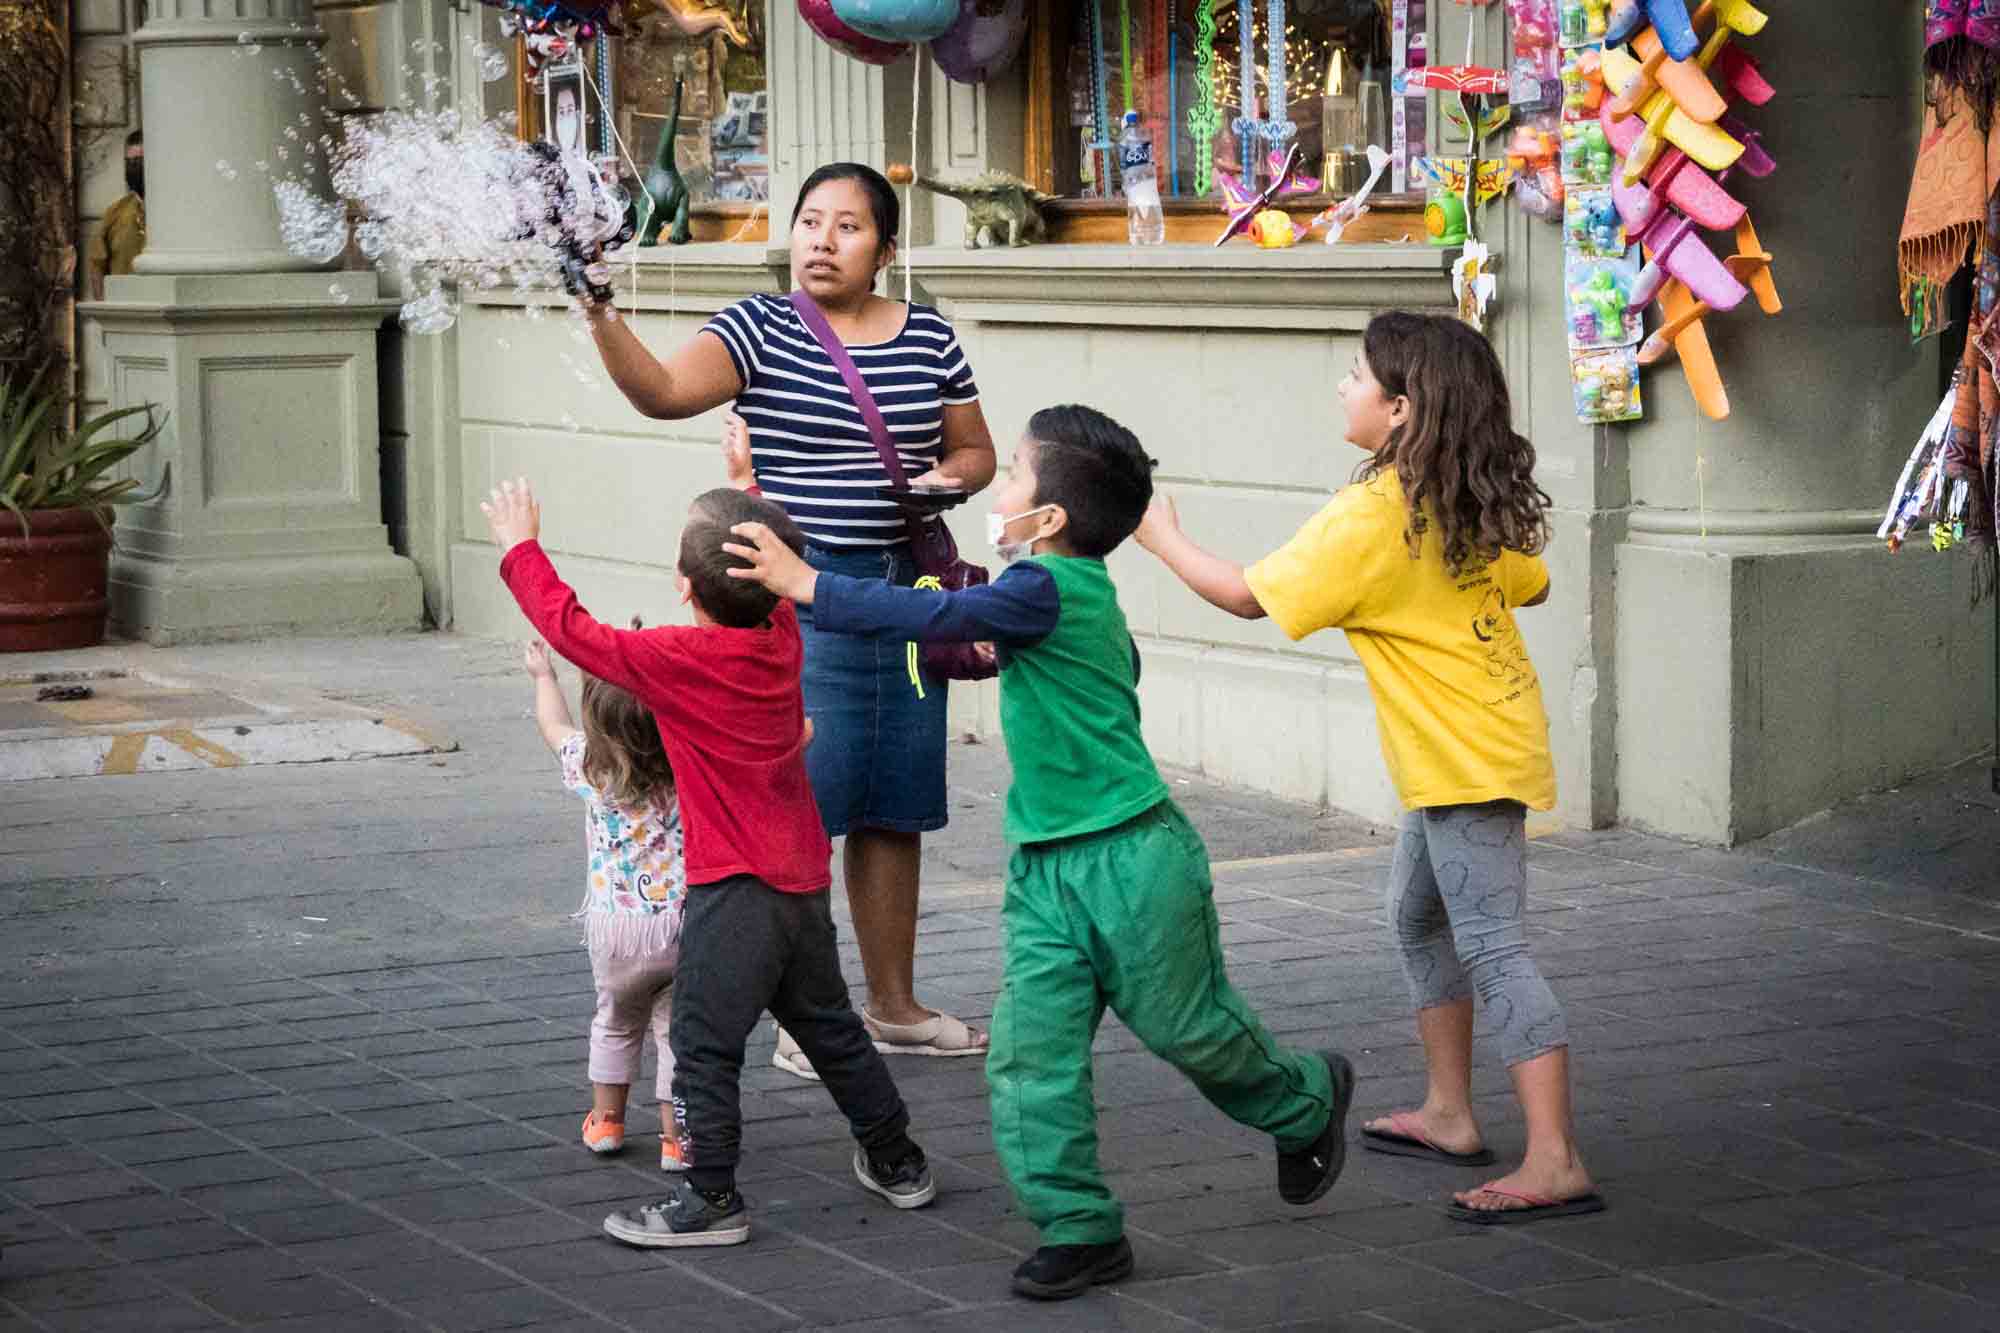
1244 206
1687 81
1669 18
1666 123
1337 219
1685 303
1232 184
1674 179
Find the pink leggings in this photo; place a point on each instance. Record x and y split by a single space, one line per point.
630 991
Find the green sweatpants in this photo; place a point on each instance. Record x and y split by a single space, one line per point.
1124 918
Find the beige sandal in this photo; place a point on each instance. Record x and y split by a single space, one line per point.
940 1034
790 1058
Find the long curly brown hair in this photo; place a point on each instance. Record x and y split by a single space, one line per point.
623 755
1461 464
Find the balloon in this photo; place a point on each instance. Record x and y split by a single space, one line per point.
898 20
819 16
979 46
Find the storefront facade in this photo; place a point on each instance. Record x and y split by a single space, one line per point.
1726 650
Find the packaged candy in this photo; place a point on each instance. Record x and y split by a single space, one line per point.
1597 299
1591 224
1604 384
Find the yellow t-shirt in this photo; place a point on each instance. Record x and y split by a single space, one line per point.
1456 698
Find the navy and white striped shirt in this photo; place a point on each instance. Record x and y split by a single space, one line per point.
808 444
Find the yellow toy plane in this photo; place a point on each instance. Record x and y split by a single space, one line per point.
1666 123
1683 332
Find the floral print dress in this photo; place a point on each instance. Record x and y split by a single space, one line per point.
636 891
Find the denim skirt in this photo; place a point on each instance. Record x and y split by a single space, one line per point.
877 754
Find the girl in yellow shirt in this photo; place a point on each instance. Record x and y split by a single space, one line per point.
1422 561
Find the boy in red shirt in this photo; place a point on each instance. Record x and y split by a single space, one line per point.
759 931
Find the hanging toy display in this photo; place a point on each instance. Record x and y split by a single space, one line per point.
829 28
1668 125
1535 90
1476 178
979 46
1602 323
551 31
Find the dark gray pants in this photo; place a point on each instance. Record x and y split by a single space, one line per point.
745 948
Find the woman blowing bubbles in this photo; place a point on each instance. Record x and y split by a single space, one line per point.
877 761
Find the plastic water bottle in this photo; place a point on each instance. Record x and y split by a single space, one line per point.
1145 224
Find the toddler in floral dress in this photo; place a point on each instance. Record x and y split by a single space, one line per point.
636 893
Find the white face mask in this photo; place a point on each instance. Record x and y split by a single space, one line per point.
996 533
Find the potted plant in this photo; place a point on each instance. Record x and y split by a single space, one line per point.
58 484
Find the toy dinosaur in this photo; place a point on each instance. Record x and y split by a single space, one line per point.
693 19
666 194
999 208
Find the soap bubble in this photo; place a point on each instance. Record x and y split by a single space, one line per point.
338 293
224 169
312 228
430 313
493 63
248 42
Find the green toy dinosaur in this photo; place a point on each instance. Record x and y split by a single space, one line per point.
669 193
999 208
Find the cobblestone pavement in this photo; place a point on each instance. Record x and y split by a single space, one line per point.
303 1048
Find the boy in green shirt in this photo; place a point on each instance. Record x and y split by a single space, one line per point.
1108 894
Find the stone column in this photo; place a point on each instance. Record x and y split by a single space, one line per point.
266 370
1772 658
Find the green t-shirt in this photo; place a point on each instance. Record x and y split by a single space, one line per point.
1069 708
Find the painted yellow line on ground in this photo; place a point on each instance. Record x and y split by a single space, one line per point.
122 759
202 748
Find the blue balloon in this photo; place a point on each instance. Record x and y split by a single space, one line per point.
898 20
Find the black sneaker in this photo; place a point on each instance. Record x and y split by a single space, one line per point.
1058 1272
1305 1175
685 1217
907 1183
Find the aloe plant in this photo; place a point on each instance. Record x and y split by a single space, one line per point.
43 465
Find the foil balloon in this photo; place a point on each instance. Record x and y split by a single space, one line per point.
819 16
898 20
979 46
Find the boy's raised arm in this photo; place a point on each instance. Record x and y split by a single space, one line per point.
1019 608
1217 581
515 519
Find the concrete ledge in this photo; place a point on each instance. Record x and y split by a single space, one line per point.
1761 681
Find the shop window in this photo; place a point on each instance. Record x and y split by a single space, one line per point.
1340 60
714 50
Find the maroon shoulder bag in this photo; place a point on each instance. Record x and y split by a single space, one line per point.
931 545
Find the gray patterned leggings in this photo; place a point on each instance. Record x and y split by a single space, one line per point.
1458 888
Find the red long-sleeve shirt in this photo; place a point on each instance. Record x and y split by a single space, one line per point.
730 712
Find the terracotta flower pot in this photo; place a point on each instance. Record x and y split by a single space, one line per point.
52 581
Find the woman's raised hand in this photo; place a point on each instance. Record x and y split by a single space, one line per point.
736 452
771 563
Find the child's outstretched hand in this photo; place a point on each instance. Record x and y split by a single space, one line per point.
535 657
513 515
736 452
1161 520
772 563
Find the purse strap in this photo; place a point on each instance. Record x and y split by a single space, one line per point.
871 416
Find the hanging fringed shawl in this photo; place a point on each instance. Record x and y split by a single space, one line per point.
1958 168
1975 415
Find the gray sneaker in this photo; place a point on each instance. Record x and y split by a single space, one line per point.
907 1184
685 1217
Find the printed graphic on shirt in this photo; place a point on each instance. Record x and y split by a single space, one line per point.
1506 657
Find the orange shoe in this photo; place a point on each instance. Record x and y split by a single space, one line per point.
674 1152
603 1136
